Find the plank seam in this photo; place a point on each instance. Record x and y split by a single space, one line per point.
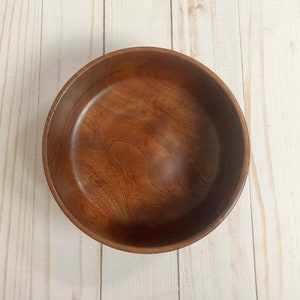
36 149
100 279
103 26
101 245
172 29
178 274
251 208
172 47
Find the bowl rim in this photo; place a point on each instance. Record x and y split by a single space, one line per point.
238 187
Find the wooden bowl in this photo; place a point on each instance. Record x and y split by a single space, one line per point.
145 150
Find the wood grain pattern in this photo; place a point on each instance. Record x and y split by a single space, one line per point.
33 261
19 65
145 150
137 23
208 31
160 277
270 33
70 39
38 246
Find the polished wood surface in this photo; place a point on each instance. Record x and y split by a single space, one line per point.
254 47
145 149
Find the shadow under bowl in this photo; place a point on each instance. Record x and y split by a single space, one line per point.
145 150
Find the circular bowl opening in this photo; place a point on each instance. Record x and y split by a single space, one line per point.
145 150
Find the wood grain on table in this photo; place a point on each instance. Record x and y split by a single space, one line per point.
254 46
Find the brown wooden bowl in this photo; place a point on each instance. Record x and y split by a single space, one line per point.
145 150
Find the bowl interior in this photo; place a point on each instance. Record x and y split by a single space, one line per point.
145 149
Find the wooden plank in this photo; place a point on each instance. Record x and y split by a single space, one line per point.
270 35
131 276
137 23
42 254
19 75
71 37
221 265
135 276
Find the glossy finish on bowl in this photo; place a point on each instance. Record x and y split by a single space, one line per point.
145 150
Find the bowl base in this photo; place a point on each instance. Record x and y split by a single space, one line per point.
142 151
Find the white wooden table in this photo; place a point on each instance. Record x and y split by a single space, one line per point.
254 46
